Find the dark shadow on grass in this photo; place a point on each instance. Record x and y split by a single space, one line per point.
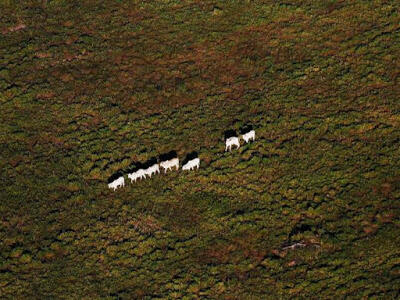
150 162
167 156
190 156
229 133
246 128
115 176
133 167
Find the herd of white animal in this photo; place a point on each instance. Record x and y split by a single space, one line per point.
174 162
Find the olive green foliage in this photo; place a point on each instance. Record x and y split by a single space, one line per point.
88 87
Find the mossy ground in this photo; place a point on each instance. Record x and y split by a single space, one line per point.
89 87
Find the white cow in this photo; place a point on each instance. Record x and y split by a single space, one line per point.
191 164
251 135
152 170
117 183
168 164
133 176
139 174
232 141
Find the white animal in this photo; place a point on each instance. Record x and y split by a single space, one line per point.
152 170
232 141
251 135
168 164
191 164
117 183
139 174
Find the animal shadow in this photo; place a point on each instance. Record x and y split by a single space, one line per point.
190 156
115 176
229 133
133 167
246 128
150 162
167 156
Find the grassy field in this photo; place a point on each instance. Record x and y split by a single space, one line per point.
89 87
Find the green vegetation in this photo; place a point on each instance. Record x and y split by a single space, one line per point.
88 87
